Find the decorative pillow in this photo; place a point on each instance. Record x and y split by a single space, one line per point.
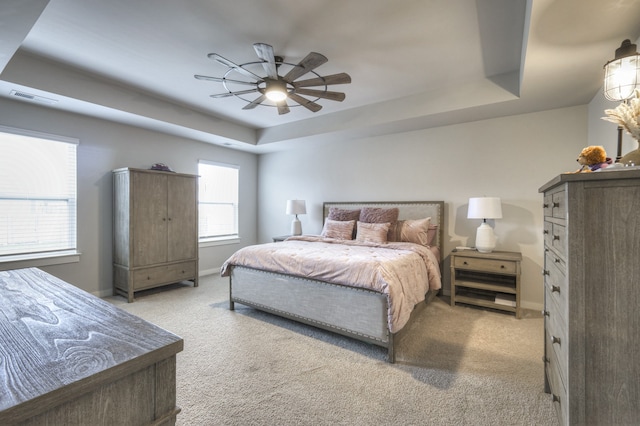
372 232
379 215
336 213
339 229
418 231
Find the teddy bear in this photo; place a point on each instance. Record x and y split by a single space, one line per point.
593 158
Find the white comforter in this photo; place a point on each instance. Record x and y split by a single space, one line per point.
403 271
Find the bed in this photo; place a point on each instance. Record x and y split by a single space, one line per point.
373 302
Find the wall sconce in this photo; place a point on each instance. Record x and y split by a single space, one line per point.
296 207
621 79
485 208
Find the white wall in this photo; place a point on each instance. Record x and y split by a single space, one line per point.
508 157
105 146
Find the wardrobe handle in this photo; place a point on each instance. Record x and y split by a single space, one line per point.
555 339
555 289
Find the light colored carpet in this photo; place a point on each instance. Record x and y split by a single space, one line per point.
457 366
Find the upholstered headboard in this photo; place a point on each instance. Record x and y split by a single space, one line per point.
406 209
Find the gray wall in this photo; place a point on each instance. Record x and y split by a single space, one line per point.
105 146
508 157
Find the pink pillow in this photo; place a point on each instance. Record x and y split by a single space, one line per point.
336 213
418 231
372 232
338 229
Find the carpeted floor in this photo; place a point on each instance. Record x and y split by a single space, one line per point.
457 366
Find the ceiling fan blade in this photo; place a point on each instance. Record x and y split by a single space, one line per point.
265 52
283 108
311 61
341 78
310 105
334 96
255 103
227 94
223 80
233 65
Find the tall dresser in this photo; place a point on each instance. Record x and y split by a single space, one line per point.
155 229
592 296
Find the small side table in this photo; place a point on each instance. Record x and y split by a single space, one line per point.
490 280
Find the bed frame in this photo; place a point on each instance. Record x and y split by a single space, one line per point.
350 311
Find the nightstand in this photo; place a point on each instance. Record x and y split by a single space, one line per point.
280 238
490 280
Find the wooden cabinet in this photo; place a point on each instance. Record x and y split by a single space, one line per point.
491 280
155 229
591 277
69 358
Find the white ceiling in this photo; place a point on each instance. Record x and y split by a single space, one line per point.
414 63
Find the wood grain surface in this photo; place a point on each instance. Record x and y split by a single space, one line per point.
58 343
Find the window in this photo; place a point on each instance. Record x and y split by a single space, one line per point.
37 194
218 201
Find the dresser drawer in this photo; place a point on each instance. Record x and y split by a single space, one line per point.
555 282
166 274
555 235
557 342
559 393
486 265
559 205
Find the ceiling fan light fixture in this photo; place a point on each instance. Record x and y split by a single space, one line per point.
276 91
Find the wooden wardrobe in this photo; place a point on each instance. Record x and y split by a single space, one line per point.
155 229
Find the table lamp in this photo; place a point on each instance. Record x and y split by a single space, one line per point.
485 208
296 207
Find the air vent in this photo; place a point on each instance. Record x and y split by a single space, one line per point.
34 98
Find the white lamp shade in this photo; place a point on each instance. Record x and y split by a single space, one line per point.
484 208
296 207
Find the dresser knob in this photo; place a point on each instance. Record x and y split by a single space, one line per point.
545 313
555 289
555 339
465 263
555 398
502 266
556 205
545 205
556 260
556 237
545 359
545 272
545 232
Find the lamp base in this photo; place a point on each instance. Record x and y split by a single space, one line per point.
296 227
485 238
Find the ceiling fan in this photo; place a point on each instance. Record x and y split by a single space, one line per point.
274 89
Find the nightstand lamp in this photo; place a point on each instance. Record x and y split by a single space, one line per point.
485 208
296 207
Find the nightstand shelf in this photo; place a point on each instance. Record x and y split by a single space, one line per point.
489 280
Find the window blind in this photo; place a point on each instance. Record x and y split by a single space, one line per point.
37 193
218 200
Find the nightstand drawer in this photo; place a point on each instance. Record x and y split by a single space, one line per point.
486 265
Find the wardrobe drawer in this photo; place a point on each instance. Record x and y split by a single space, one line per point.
166 274
487 265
